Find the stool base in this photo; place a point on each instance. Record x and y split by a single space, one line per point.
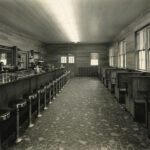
31 125
45 108
39 115
18 140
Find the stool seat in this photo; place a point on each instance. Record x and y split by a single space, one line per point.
30 96
33 96
41 90
4 115
18 103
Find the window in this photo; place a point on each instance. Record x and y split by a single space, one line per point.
63 59
94 59
143 49
67 59
111 57
122 55
71 59
3 58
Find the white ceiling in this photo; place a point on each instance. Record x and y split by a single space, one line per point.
97 21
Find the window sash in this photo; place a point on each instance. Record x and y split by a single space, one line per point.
142 58
71 59
111 61
63 59
142 48
94 59
122 55
94 62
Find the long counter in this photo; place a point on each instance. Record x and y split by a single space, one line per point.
16 89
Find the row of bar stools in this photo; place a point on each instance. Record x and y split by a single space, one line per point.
33 102
18 104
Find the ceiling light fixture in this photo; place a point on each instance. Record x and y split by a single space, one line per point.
64 15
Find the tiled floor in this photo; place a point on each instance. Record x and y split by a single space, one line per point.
85 116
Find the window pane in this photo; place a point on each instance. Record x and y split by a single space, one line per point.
144 38
121 61
94 62
149 60
141 40
125 53
94 59
142 64
71 59
63 59
111 55
125 60
148 40
138 41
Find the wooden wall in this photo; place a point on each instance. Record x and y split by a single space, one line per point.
128 34
81 53
11 37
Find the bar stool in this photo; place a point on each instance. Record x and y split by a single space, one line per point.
31 97
50 92
4 115
54 89
57 86
65 75
60 84
40 91
45 97
63 80
47 93
18 104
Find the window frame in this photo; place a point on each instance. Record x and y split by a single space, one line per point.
61 60
122 54
71 62
143 49
92 59
111 57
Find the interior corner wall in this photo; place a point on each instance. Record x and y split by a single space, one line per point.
128 34
80 51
